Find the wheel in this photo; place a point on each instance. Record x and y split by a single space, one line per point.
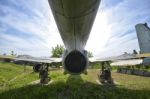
36 67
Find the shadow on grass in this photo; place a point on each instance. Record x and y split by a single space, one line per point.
74 88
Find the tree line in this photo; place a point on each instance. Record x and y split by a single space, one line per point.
58 50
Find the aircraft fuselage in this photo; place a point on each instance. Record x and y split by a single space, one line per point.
74 19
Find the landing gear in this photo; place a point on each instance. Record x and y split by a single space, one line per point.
43 73
105 74
36 67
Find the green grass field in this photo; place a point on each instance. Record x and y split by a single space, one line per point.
14 84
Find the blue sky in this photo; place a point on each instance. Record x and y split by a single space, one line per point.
28 27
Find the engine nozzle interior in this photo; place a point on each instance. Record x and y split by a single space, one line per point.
75 62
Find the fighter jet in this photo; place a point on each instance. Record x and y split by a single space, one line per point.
74 19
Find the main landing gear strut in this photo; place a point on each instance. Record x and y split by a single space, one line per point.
43 73
105 73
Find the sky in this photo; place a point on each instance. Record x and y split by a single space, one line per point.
28 27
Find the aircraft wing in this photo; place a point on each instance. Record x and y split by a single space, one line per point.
99 60
32 59
125 59
122 60
6 57
130 62
39 60
125 56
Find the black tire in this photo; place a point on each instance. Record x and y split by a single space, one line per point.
36 67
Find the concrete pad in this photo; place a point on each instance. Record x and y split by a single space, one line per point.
37 82
115 83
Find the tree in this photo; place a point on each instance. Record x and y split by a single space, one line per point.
90 54
57 51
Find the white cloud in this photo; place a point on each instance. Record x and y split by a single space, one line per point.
100 33
114 28
38 22
112 33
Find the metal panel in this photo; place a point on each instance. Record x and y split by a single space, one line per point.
127 62
74 19
143 34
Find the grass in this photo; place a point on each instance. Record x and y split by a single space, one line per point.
13 76
69 86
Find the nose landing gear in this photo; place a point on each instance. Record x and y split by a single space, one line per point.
105 74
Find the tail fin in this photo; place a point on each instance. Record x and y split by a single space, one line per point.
143 35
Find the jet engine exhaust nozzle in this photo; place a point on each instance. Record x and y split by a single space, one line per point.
75 62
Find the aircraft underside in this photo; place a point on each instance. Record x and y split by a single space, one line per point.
74 19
